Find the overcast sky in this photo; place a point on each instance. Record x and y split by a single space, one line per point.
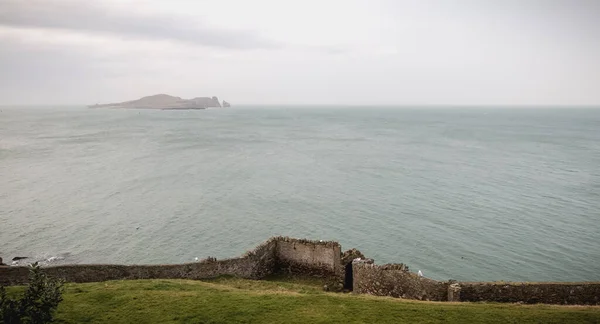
302 52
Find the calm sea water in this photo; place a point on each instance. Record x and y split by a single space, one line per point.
461 193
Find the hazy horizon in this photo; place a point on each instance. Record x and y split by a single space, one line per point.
266 52
331 105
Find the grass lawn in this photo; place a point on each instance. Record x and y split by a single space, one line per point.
281 300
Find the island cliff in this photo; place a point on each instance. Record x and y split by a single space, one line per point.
164 101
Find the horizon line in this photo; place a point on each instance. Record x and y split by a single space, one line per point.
415 105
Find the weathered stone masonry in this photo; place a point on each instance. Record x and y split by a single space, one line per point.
325 259
395 280
294 256
308 257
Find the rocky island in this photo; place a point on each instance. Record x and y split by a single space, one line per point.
164 101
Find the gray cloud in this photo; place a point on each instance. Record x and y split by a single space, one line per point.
405 52
85 16
43 72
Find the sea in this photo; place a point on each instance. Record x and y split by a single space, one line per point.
464 193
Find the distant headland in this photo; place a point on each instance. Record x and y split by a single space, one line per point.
164 101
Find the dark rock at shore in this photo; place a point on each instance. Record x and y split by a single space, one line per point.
1 263
19 258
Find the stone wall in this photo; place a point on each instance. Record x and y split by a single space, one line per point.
324 259
263 259
244 267
269 257
309 257
532 292
394 280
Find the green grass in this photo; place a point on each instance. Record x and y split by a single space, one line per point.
280 300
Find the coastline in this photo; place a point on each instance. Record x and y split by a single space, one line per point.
325 260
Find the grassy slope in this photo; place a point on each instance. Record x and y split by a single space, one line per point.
228 300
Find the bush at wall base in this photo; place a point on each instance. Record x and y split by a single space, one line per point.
38 303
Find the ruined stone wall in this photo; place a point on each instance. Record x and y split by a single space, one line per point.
298 256
532 292
305 257
255 264
13 275
394 280
263 259
309 257
241 267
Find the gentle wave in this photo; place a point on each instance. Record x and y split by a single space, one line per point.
501 194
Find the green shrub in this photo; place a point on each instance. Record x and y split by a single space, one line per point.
38 303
